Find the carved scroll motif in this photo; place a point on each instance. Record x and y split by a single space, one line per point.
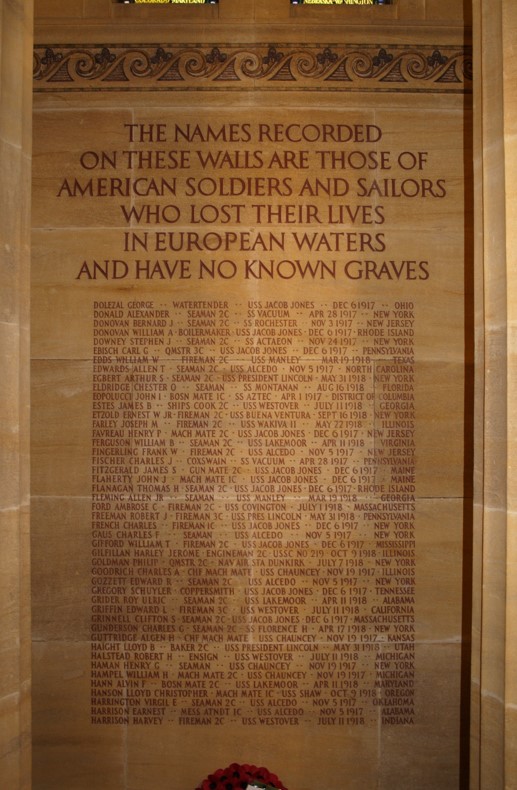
277 67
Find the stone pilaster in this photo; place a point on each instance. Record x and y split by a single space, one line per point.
15 147
495 549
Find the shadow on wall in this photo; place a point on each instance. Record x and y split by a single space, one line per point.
293 2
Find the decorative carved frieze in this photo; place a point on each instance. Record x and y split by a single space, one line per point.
366 67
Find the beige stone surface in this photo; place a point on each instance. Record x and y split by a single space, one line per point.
288 757
58 257
491 730
15 130
494 645
440 460
61 437
61 588
67 752
510 99
345 740
407 17
429 738
61 158
439 556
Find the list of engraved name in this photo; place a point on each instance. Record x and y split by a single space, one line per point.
253 511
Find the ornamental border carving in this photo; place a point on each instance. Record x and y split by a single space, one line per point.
331 67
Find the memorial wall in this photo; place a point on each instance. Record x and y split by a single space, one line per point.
251 335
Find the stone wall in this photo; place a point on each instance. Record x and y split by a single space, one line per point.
15 151
347 128
493 693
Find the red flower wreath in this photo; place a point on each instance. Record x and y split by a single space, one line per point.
238 777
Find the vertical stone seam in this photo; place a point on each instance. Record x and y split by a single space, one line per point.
493 444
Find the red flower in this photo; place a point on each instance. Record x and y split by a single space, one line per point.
238 777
